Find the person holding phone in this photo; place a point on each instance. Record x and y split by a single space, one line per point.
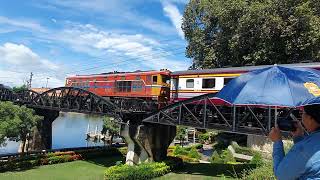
303 159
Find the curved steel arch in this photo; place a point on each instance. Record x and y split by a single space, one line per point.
71 99
25 96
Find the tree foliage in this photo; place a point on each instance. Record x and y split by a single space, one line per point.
16 122
239 32
17 89
111 126
181 133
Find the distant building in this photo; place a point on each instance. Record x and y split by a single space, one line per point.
40 90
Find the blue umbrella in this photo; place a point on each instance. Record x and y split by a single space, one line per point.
273 86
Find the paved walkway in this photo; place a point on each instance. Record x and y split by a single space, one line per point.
207 152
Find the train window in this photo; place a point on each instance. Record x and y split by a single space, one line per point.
165 79
190 83
124 86
208 83
226 80
137 86
154 79
138 77
123 78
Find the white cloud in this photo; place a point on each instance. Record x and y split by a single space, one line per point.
111 11
141 51
20 55
173 13
22 23
19 60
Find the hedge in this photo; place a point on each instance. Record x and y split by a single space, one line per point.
142 171
26 162
187 153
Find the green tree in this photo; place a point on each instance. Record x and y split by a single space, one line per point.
181 133
17 89
16 123
110 125
239 32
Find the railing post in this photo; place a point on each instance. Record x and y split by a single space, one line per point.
234 118
180 114
269 118
205 113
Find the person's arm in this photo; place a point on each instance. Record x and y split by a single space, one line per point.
290 166
277 154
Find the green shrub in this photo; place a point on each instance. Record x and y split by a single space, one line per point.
243 150
28 161
188 159
123 150
142 171
224 158
190 152
227 156
204 137
257 159
262 172
180 151
174 162
193 153
198 146
215 158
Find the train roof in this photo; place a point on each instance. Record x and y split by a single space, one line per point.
138 72
241 69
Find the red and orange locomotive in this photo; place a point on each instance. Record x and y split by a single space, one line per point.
148 85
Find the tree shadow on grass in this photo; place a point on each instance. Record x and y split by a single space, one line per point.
106 161
230 170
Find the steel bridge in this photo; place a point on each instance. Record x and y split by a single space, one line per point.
199 112
71 99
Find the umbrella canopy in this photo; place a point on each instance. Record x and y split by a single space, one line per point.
273 86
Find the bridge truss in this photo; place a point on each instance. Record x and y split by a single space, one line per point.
200 112
73 99
204 113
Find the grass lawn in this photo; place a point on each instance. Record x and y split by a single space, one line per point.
95 168
206 171
77 170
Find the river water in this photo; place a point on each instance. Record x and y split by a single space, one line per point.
68 130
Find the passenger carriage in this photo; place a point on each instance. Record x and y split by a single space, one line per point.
192 83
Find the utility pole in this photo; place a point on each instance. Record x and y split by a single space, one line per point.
30 81
47 82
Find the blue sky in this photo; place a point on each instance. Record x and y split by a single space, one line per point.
59 38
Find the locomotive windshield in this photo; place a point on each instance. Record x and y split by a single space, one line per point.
166 79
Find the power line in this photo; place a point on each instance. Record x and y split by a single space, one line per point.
124 56
132 49
135 61
127 60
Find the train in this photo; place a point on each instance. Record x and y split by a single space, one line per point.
164 87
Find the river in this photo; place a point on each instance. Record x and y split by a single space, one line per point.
68 130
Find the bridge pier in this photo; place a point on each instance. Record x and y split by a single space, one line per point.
41 138
148 142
